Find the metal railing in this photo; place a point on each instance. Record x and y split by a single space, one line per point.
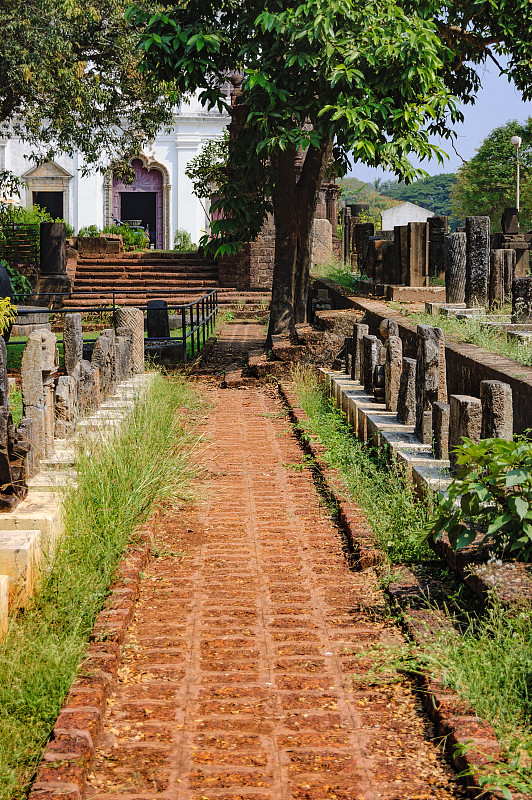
198 318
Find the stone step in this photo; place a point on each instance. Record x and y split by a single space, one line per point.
21 556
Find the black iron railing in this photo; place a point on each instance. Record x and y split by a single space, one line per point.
198 318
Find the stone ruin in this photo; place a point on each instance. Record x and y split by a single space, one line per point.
416 389
52 404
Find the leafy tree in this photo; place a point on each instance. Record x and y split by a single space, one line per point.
486 184
433 192
207 170
69 79
322 78
353 190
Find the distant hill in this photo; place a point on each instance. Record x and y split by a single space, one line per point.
353 190
433 193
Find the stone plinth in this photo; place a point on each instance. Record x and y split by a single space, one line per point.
497 410
465 420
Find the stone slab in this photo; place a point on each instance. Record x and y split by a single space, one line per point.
38 511
21 559
429 478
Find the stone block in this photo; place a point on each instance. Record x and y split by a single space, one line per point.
429 376
406 400
497 410
21 561
66 406
465 420
440 429
359 330
38 511
393 370
72 342
496 283
133 318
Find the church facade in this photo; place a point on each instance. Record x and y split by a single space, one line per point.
160 198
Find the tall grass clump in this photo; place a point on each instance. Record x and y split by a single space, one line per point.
392 509
121 480
473 331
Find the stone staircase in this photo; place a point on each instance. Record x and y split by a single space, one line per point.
138 277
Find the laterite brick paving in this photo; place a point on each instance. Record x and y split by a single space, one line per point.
247 669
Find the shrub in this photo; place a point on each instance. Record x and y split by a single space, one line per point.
491 496
89 230
183 241
130 236
19 282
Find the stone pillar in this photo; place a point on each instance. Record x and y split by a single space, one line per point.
440 429
65 406
428 370
348 349
124 349
454 258
392 371
496 287
133 318
104 360
477 260
370 345
465 419
510 221
72 342
509 271
497 410
406 400
13 447
39 362
157 319
522 300
52 277
359 330
438 227
388 327
418 254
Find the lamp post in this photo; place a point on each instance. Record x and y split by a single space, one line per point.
516 141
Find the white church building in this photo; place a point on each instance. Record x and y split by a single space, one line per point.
161 196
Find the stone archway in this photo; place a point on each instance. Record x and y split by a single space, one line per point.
150 177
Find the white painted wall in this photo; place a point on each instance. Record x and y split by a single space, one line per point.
192 127
403 214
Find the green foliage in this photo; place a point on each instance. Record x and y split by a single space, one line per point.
393 511
19 282
89 231
78 62
15 405
207 169
433 192
130 236
368 75
120 482
486 185
183 241
491 497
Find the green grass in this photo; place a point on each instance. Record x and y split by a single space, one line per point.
120 483
472 332
337 272
15 403
392 509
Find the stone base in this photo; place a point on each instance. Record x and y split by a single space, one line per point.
4 605
38 511
20 560
51 287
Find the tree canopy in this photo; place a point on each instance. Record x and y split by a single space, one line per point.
433 192
486 184
321 79
69 79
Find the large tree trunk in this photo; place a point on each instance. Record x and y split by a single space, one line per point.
294 205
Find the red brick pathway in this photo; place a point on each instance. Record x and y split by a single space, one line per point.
247 670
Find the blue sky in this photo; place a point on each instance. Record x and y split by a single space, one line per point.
497 102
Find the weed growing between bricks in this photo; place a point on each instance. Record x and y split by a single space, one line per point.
120 483
484 655
391 507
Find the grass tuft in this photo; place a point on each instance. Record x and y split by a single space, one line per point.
392 509
120 482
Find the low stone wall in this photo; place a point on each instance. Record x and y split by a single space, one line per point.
467 364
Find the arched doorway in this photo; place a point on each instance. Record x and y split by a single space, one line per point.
142 200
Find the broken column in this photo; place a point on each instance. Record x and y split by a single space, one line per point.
124 353
388 327
72 342
522 300
406 400
496 283
465 420
430 346
65 406
393 368
497 410
440 429
133 318
359 330
104 359
477 260
370 345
